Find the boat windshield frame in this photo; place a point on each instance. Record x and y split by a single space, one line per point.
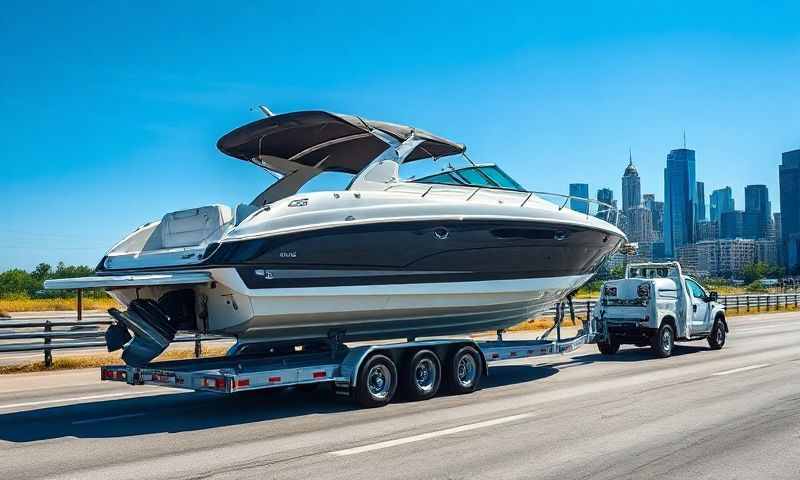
457 176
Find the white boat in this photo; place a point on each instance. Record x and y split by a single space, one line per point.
462 250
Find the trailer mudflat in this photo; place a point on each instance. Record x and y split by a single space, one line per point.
371 374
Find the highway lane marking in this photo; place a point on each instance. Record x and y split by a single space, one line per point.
103 419
742 369
87 397
427 436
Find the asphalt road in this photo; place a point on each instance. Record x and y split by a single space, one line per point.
733 413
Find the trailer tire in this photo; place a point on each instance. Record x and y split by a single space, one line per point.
377 382
717 338
422 376
664 341
608 348
465 370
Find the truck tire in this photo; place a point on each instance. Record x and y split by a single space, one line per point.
377 382
465 370
663 341
608 348
717 338
422 376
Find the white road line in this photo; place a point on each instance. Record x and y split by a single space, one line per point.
426 436
103 419
743 369
89 397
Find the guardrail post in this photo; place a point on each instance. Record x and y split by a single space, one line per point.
198 347
80 304
747 298
48 353
588 310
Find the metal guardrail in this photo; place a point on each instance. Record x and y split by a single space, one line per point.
79 337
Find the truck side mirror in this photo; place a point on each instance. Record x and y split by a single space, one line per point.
713 296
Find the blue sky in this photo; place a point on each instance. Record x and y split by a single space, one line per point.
110 112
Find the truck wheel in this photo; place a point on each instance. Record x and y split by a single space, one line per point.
377 382
717 338
422 376
465 370
664 340
608 348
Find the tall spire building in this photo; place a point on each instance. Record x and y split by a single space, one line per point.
631 186
680 200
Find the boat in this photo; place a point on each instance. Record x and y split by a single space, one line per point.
460 250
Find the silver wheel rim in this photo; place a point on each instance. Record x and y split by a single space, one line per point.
466 370
379 381
720 335
425 374
666 339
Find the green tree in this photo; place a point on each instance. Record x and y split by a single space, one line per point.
17 281
754 272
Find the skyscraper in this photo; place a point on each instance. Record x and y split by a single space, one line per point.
580 190
731 225
789 176
639 225
700 211
631 186
657 210
721 202
758 211
605 195
680 194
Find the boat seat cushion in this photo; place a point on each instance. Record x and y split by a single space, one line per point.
194 226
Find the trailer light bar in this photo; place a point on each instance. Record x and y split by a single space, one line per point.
319 374
274 379
218 383
243 382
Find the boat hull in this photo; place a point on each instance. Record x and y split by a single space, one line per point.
396 311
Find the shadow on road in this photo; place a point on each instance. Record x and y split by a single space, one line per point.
182 412
630 354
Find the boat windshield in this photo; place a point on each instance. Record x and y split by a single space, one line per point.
490 176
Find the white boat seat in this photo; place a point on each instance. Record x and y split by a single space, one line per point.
194 226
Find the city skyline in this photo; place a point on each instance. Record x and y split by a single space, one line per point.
552 96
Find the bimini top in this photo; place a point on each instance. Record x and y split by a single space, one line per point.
325 141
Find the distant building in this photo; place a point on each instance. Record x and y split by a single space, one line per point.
605 195
680 194
657 210
707 230
766 251
658 251
776 221
631 187
639 226
707 257
700 210
758 211
731 224
725 257
789 176
687 256
721 202
645 252
580 190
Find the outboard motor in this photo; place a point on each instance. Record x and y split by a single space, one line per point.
152 332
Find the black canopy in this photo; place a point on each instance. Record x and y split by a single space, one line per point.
326 141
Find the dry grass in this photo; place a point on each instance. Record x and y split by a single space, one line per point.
542 323
102 359
53 304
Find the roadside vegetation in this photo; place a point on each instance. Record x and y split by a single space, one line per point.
23 291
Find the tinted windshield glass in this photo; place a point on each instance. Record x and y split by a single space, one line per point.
500 178
484 176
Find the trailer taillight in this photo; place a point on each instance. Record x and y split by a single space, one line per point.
319 374
643 291
243 382
217 383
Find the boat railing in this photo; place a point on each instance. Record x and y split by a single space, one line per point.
587 206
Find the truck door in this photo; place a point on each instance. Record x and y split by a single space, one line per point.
699 318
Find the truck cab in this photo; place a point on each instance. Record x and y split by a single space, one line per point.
657 305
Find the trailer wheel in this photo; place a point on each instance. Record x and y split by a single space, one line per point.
717 338
422 376
377 382
664 340
608 348
465 370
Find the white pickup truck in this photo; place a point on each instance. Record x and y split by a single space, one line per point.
657 305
